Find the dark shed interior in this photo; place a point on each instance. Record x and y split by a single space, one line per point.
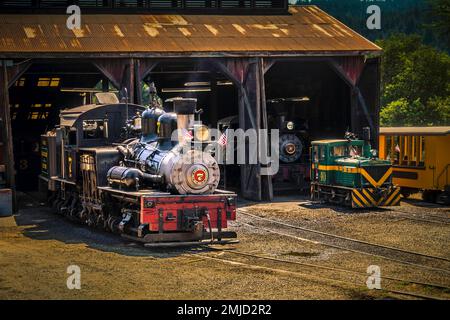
235 65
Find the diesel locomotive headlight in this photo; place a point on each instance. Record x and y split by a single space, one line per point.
201 133
290 125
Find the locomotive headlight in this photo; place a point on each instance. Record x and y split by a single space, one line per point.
201 133
290 125
137 123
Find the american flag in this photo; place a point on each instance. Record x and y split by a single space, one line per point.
223 139
187 134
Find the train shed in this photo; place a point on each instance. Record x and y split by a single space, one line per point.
232 55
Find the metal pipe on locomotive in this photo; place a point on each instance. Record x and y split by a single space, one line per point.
130 175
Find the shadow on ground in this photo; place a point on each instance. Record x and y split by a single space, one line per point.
40 223
423 204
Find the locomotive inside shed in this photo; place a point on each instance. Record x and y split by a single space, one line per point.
234 62
38 96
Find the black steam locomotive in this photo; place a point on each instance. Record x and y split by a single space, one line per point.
294 144
120 167
293 173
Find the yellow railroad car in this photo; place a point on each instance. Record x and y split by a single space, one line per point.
421 160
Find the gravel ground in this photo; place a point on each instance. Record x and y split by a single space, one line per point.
36 247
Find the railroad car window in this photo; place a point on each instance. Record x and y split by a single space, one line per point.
422 153
406 150
20 82
72 137
48 82
94 129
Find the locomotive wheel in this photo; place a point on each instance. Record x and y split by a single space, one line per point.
100 223
58 206
112 224
83 214
51 199
405 194
429 196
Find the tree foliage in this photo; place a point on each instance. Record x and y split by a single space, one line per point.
415 83
397 16
440 15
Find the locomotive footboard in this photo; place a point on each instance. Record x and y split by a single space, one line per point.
159 218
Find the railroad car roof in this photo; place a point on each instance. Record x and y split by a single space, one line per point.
415 131
305 30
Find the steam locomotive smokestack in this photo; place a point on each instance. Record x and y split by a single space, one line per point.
185 110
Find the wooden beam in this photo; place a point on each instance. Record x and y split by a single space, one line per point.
244 73
8 153
266 181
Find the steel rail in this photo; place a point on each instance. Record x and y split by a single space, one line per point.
317 278
428 284
346 238
440 219
422 266
352 250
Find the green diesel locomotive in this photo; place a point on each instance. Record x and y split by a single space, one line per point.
347 172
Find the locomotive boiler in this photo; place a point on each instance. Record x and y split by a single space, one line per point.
141 172
161 159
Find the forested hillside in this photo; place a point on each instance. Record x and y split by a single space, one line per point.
405 16
415 64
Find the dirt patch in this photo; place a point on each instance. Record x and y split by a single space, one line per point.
36 247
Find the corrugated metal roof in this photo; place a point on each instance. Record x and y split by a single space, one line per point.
415 131
306 30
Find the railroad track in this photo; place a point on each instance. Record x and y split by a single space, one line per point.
249 263
398 255
422 217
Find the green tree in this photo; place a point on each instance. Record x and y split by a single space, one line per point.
415 83
440 15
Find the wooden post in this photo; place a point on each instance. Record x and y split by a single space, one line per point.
105 84
266 181
7 134
354 117
213 112
244 73
137 83
131 81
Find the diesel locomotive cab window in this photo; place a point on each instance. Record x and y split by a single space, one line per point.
322 153
339 151
316 153
354 151
346 151
94 129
